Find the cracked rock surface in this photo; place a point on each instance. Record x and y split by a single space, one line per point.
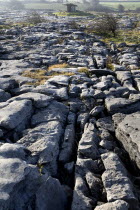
69 134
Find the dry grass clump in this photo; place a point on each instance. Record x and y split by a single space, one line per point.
62 65
62 73
39 75
109 64
84 70
36 83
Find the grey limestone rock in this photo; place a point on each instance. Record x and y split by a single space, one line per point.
98 94
51 90
96 110
109 145
117 118
134 96
39 100
63 126
87 93
105 123
43 142
127 132
74 90
82 120
23 89
13 171
81 201
105 134
59 80
88 143
122 44
103 85
118 92
4 96
116 182
45 153
56 111
126 79
137 83
19 181
13 151
71 119
124 75
7 83
122 105
95 184
87 164
136 78
118 67
15 114
116 205
51 196
76 105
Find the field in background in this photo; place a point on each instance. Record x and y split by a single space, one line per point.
61 7
127 5
53 6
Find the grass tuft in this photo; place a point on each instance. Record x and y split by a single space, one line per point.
74 14
109 64
62 73
63 65
84 70
128 36
39 75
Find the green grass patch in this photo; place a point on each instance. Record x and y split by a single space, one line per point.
53 6
127 5
5 27
23 24
78 13
128 36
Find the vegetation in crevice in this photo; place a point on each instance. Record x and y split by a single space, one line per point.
84 70
61 65
109 64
